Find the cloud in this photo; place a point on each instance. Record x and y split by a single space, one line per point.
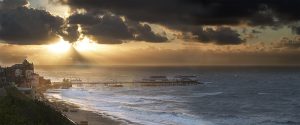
143 32
119 21
22 25
84 19
256 31
70 33
197 13
26 26
12 4
176 14
220 35
296 30
111 29
290 43
192 12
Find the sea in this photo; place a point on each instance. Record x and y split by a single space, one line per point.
230 95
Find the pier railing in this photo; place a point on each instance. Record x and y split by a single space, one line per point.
141 83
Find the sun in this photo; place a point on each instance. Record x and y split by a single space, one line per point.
85 45
60 47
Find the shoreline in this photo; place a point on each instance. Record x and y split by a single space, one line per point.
83 117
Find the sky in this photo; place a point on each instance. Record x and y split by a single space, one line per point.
150 32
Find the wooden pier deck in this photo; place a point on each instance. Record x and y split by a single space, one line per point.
143 83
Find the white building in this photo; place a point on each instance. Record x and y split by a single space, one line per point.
18 73
35 80
29 74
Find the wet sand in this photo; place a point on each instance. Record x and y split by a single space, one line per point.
91 117
77 115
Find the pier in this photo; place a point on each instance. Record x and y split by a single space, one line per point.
150 81
133 83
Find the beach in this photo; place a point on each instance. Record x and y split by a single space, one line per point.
83 117
91 117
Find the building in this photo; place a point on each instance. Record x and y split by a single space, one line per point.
22 76
43 81
35 80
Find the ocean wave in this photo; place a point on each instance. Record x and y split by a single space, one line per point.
204 94
150 110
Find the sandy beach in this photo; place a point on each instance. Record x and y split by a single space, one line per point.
84 117
91 117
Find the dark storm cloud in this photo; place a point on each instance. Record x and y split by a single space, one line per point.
197 13
145 33
256 31
84 19
103 23
296 30
291 43
70 33
12 4
27 26
22 25
221 35
110 29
